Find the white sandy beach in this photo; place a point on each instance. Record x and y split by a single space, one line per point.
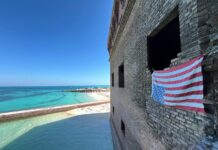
100 95
102 108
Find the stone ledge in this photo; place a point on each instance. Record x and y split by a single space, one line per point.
122 24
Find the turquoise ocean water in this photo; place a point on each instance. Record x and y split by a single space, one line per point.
22 98
57 131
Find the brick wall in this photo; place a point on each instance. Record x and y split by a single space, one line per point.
149 125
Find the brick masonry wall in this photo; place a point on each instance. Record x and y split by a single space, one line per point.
148 124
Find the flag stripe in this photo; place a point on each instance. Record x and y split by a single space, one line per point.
199 74
190 108
189 100
197 79
179 77
199 83
184 97
185 104
185 94
178 74
180 91
176 71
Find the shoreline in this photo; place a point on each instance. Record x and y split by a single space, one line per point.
89 90
100 98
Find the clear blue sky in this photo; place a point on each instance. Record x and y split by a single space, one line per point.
54 42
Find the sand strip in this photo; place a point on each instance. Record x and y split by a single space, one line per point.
100 99
43 111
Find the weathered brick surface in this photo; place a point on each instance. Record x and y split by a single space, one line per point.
148 124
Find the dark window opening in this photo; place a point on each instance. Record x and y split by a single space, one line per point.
208 104
113 109
164 45
209 108
121 76
112 79
123 128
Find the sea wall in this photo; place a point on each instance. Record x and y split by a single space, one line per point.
42 111
138 121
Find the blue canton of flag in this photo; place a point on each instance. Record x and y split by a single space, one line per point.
158 93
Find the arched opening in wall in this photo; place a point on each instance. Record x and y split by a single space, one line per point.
164 42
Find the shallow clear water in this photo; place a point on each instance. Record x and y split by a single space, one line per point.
57 131
22 98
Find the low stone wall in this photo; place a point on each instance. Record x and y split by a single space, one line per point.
42 111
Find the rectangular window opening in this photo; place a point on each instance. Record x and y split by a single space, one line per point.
121 76
113 109
112 80
164 44
123 128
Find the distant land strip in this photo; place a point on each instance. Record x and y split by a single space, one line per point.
89 90
43 111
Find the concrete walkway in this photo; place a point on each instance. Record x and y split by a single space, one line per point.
83 132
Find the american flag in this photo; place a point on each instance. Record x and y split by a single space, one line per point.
181 86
